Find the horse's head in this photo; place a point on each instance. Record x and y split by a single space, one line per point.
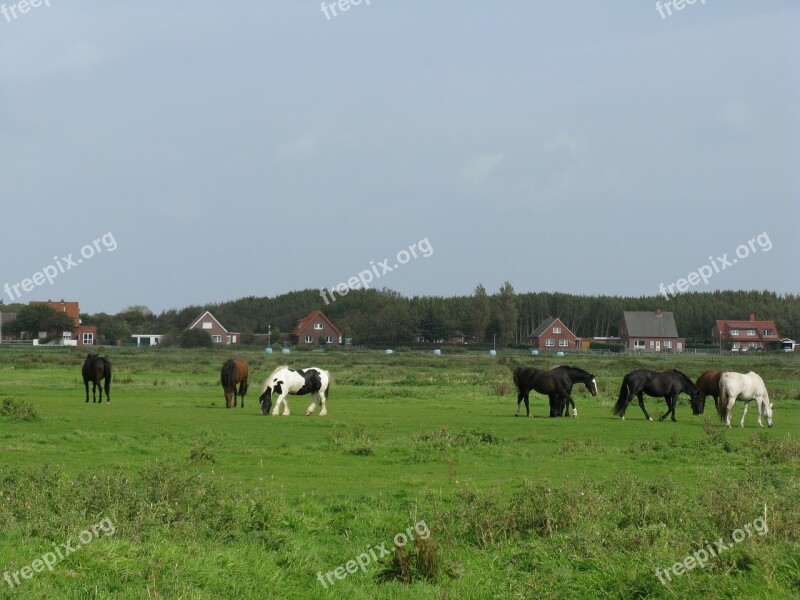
768 411
591 385
698 403
266 395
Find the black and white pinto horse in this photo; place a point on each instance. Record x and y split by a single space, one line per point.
284 381
745 387
556 383
668 384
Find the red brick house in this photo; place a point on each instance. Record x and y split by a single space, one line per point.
736 334
211 325
316 327
552 334
80 335
646 331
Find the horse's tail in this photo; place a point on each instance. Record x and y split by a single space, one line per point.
516 373
722 402
619 407
107 373
228 377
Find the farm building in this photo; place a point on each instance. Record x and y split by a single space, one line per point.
647 331
739 335
316 329
147 339
80 335
552 334
211 325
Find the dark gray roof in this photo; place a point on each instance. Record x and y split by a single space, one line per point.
650 324
544 326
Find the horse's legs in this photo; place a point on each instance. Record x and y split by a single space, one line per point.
670 408
640 395
744 412
281 398
86 385
94 392
323 396
520 396
527 404
243 390
108 389
314 401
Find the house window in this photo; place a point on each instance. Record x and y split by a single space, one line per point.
638 344
329 340
228 339
736 345
309 339
751 332
317 326
563 343
734 332
556 329
217 339
767 332
207 325
233 339
668 345
549 343
652 344
753 344
88 339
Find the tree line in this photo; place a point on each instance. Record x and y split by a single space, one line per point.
383 316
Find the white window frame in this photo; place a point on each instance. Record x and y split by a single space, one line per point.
217 339
667 344
563 343
208 325
768 332
639 344
318 326
734 332
550 343
309 339
329 340
556 329
751 333
652 344
736 345
753 344
88 339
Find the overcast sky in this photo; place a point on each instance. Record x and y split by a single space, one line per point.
253 148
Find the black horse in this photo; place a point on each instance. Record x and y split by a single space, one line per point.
96 369
556 383
668 384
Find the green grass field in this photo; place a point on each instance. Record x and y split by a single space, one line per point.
209 502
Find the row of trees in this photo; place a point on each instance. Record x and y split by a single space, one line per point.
384 316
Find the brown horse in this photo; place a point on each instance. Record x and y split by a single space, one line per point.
708 384
234 371
97 369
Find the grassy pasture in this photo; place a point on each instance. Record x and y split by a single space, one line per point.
210 502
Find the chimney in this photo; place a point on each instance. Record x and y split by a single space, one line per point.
752 317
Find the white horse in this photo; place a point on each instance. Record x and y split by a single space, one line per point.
284 381
733 386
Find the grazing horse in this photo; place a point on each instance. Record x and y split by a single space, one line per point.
284 381
708 385
234 370
738 386
96 369
556 383
668 384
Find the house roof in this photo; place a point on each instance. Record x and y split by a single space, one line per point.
200 318
650 324
546 324
740 324
308 320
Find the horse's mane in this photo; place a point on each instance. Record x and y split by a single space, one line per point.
271 375
684 375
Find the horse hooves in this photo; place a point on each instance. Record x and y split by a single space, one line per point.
649 418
